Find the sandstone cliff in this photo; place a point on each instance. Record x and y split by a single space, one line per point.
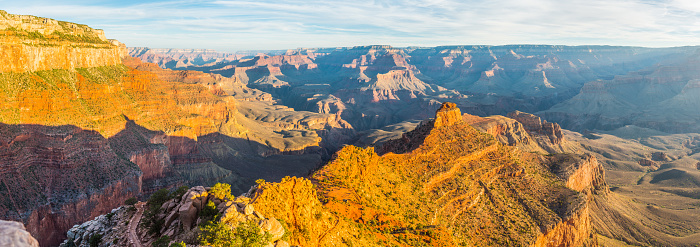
32 43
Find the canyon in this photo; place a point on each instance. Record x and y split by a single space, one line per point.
407 195
130 127
374 86
347 146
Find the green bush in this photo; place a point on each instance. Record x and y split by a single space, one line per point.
158 198
109 216
177 194
221 191
154 203
209 211
131 201
95 240
161 242
247 234
180 244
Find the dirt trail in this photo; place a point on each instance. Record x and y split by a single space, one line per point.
133 223
458 164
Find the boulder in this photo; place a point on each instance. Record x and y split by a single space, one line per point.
273 227
187 215
170 218
660 156
13 234
248 209
231 216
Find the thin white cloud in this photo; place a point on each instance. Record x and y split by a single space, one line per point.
238 25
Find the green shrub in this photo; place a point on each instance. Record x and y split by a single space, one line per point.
158 198
131 201
221 191
95 240
180 244
161 242
154 203
246 234
177 194
209 211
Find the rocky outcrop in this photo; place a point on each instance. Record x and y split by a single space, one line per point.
13 234
580 172
181 219
102 230
534 123
447 115
660 156
650 164
424 168
512 132
574 231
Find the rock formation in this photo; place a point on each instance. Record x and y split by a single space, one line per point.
181 218
421 171
13 234
448 188
447 115
32 43
536 124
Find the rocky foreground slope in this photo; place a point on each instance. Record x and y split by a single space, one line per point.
442 184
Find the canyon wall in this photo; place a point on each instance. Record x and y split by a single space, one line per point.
32 43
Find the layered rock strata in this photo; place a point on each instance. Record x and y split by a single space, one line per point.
32 43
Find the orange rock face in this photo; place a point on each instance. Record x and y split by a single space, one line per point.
448 115
575 231
448 184
27 58
30 43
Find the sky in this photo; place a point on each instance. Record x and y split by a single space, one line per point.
232 25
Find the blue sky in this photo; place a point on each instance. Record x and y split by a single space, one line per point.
231 25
